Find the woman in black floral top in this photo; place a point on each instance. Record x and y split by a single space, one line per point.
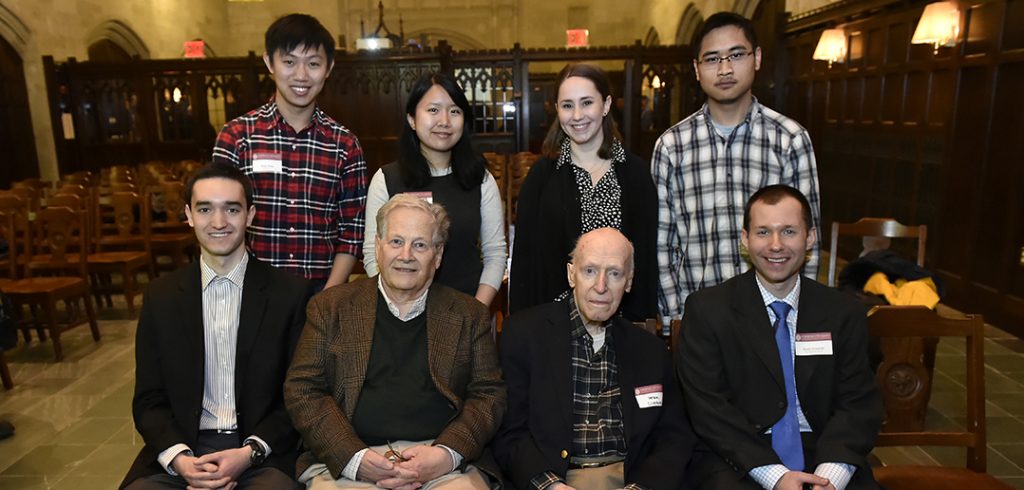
585 180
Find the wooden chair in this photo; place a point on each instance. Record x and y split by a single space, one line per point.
58 228
5 372
9 264
171 236
122 247
874 227
518 167
653 326
902 373
14 230
29 195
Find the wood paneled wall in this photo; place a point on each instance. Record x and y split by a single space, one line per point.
924 136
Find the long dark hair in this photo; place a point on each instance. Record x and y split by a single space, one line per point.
609 129
467 165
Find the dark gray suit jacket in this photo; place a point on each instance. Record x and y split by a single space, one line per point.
732 380
169 363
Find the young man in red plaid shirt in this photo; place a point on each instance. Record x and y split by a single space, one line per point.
308 170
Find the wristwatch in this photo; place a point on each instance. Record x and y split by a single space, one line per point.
258 455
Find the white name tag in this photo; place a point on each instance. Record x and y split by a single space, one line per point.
814 344
425 195
266 163
649 396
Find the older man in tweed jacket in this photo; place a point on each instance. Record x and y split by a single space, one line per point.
395 382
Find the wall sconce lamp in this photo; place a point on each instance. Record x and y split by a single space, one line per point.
831 46
939 25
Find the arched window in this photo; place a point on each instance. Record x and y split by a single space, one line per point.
114 38
689 25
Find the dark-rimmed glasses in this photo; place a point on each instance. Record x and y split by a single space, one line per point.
712 60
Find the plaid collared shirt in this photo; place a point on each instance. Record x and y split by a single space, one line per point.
704 180
312 207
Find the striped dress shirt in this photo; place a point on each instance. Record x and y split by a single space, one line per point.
222 305
704 180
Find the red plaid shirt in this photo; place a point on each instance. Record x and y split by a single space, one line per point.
310 206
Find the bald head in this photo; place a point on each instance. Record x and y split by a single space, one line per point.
600 273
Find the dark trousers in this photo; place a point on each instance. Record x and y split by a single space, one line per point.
258 478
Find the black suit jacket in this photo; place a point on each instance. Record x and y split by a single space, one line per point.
535 357
169 363
732 379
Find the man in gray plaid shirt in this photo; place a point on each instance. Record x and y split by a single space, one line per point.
707 165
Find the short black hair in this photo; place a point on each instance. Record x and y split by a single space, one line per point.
771 195
218 171
723 19
294 30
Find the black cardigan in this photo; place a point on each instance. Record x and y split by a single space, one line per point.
548 224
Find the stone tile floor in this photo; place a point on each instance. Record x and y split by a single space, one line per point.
74 426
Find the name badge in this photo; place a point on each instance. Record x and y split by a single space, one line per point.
266 163
425 195
649 396
814 344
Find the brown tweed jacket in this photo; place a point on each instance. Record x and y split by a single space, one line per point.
329 367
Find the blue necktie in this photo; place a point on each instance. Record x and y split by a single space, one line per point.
786 432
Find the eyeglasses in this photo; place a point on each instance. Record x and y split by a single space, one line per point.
713 60
392 455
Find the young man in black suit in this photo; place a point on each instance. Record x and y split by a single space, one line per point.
214 341
593 400
775 366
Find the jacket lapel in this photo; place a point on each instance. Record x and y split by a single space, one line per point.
755 326
636 424
357 341
443 334
558 357
250 318
190 288
809 319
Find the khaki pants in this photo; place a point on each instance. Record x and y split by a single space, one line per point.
471 479
603 478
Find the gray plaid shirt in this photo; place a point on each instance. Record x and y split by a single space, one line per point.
704 180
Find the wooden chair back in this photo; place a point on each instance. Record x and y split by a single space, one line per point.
60 233
8 233
30 196
874 227
174 205
519 166
902 373
83 178
17 233
128 226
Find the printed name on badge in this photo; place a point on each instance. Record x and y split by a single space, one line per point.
814 344
266 162
649 396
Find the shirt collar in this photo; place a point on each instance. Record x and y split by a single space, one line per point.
418 306
236 275
792 299
578 328
565 153
753 112
317 120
